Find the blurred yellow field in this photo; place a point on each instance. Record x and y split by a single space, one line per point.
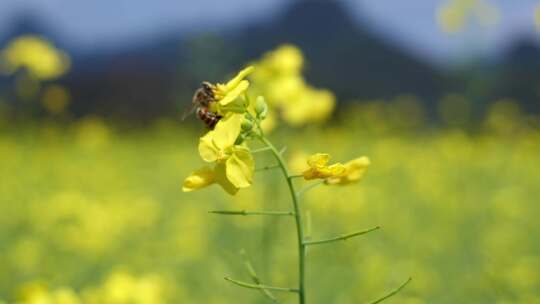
93 216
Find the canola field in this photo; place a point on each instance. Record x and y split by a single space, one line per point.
94 213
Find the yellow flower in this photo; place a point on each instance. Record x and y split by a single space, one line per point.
207 176
311 106
218 146
319 168
35 54
354 172
224 94
278 77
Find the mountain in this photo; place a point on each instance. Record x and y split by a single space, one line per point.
144 81
344 55
518 75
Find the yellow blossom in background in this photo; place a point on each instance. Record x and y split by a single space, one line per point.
312 105
319 168
454 15
92 133
121 287
287 58
354 172
85 215
35 54
37 293
278 77
537 17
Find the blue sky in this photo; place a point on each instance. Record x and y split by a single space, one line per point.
410 23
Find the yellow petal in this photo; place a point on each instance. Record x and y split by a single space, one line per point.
354 172
199 179
318 159
223 181
356 168
208 151
239 77
336 170
310 174
234 93
240 167
318 167
226 131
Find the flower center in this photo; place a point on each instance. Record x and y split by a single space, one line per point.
223 155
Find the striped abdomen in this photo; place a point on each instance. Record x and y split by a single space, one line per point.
209 118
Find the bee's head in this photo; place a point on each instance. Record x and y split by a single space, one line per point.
207 86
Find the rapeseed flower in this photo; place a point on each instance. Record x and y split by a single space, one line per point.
35 54
233 163
279 78
207 176
226 94
335 174
354 172
319 168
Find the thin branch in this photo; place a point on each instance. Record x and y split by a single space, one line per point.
255 277
390 294
270 167
264 149
260 150
259 286
246 213
295 176
309 187
308 226
341 237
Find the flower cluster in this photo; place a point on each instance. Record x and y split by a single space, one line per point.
335 174
454 15
230 160
231 163
35 54
278 77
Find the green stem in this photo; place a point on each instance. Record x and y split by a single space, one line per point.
298 220
265 168
307 188
259 286
341 237
260 150
255 277
392 293
245 213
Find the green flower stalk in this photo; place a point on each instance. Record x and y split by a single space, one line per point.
231 165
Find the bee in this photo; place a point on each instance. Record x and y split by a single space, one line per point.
201 102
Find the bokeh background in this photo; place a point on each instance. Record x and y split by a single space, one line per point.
443 96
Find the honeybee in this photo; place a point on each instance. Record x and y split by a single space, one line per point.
202 99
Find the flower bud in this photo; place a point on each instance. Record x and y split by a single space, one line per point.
261 108
246 125
240 139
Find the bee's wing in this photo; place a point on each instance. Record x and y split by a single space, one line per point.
189 110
